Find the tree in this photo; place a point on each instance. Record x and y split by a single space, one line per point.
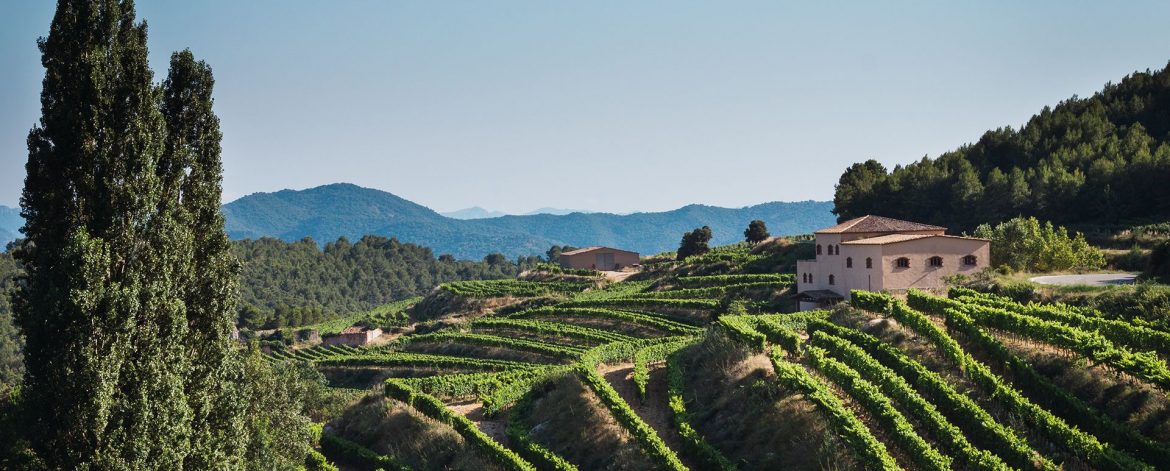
130 287
105 324
1159 264
1026 244
554 252
756 232
694 243
495 259
192 168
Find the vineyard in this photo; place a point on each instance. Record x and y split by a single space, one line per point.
698 372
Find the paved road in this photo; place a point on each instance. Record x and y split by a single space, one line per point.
1096 279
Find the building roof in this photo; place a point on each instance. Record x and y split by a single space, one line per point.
870 223
896 238
591 249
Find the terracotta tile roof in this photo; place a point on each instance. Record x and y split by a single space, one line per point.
590 249
870 223
895 238
887 239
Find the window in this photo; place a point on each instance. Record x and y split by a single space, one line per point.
868 262
832 249
936 261
818 249
969 260
902 262
831 279
848 262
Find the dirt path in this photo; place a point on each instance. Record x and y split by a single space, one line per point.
654 410
493 427
616 276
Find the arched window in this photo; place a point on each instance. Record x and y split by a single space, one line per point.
831 279
936 261
835 250
818 249
969 260
848 262
902 262
868 262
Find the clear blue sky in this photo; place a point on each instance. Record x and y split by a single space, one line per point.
649 105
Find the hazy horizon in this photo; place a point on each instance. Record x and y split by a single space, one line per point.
651 106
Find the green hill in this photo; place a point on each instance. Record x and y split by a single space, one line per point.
1097 160
331 211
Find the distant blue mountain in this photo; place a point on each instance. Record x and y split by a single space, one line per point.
331 211
474 212
10 224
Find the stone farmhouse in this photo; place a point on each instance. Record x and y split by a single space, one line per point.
353 336
599 258
875 253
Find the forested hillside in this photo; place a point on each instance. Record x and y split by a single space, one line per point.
298 283
1098 160
331 211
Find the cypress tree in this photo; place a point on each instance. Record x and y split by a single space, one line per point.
129 288
191 169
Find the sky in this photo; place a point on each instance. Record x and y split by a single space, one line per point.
604 105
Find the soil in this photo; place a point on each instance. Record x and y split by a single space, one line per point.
493 427
653 410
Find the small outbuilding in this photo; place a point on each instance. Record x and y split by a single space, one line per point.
353 336
599 258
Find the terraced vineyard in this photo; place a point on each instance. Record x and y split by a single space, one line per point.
699 373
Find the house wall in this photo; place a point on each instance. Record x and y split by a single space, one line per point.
588 260
884 275
921 274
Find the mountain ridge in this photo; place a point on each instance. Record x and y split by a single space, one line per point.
342 209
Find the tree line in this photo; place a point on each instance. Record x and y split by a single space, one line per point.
296 283
1096 160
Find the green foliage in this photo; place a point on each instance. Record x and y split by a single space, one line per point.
518 434
511 287
1026 244
756 232
298 283
435 409
723 280
960 408
880 406
354 454
694 243
11 342
946 433
1056 428
1098 159
743 330
551 328
873 453
646 320
1158 265
643 433
525 345
694 442
421 360
651 353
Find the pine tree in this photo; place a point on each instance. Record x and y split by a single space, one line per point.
756 232
694 243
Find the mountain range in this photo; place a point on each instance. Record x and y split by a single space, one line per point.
10 223
328 212
476 212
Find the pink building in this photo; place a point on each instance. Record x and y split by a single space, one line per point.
875 253
599 258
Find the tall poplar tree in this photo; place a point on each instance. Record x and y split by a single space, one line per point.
126 308
191 170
